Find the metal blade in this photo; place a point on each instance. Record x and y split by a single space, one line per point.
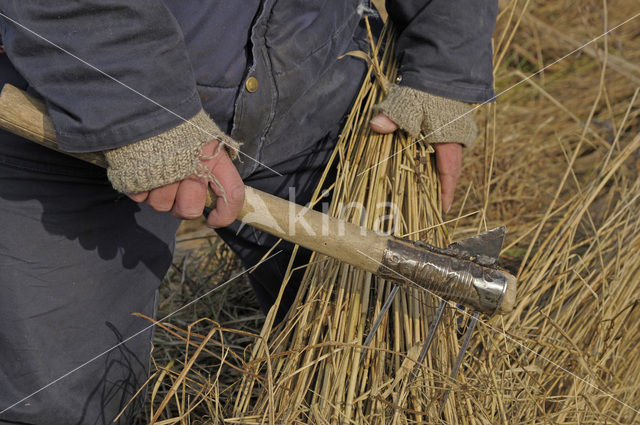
433 326
484 248
378 321
456 366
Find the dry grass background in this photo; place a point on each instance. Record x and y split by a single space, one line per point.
557 163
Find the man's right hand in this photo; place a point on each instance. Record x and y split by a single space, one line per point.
186 199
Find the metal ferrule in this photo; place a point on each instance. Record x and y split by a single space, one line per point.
452 278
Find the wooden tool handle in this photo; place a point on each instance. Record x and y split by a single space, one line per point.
27 116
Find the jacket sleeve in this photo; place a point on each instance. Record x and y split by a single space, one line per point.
445 46
112 72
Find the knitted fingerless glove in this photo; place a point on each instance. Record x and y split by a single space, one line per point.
414 110
166 158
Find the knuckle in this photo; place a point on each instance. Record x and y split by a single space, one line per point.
223 222
219 218
161 207
188 212
138 197
237 192
191 215
451 174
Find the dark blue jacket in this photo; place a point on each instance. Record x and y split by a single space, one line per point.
117 71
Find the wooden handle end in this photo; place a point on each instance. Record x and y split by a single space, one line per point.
509 299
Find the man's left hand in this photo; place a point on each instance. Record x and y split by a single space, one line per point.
448 159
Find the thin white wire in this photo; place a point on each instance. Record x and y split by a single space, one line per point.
222 285
501 332
375 165
135 91
501 93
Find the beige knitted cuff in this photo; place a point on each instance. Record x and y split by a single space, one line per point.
166 158
414 110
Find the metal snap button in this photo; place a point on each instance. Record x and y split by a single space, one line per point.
251 84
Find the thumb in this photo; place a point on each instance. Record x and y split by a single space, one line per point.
382 124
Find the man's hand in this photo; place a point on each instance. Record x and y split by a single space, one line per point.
186 199
448 159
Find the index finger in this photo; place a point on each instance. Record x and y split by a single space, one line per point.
449 164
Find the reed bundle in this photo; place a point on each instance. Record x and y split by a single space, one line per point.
314 362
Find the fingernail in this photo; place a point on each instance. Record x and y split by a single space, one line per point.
378 120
